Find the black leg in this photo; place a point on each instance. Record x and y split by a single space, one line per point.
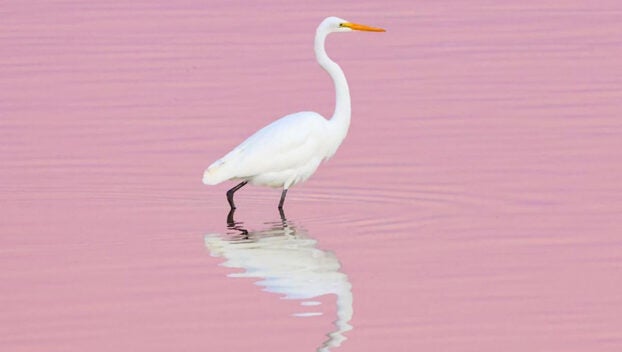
237 226
230 219
231 191
282 198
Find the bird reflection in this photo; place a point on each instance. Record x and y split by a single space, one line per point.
286 260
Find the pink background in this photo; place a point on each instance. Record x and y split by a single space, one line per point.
474 206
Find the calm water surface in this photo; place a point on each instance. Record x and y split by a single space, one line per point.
474 206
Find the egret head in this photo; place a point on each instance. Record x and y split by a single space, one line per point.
336 24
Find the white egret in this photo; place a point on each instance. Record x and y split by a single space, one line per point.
290 149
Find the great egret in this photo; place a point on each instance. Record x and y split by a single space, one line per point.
289 150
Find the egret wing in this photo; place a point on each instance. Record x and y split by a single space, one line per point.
284 144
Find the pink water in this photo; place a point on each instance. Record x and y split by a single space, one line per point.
476 204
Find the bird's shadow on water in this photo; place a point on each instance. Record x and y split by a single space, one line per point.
285 259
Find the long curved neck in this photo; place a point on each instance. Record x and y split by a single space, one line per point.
341 116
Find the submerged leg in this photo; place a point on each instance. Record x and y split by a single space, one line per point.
230 219
231 191
283 218
233 225
282 198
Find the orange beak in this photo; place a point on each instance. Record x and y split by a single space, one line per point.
362 27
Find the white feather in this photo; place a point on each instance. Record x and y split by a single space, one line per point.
281 154
289 150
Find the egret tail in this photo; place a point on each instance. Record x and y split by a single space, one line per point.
215 174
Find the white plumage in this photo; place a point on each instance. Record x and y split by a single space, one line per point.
290 149
285 152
